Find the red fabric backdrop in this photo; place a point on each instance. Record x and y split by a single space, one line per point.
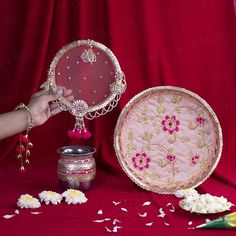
190 44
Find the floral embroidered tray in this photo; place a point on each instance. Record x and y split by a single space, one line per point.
167 139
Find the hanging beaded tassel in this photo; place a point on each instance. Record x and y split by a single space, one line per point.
79 130
23 149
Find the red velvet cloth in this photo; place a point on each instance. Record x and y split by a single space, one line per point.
183 43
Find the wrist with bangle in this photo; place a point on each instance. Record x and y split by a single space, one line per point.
23 149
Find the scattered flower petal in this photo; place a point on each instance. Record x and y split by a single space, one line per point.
27 201
124 209
207 220
100 221
116 203
50 197
115 221
149 224
191 228
167 224
162 213
190 223
115 229
100 212
118 227
36 212
161 210
143 215
17 212
146 203
8 216
172 208
73 196
108 230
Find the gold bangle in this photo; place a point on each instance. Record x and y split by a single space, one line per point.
22 106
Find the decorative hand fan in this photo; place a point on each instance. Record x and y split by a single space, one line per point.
93 74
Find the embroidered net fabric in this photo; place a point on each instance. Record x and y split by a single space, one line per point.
93 74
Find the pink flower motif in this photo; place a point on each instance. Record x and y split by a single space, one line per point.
141 161
171 158
170 124
195 159
200 120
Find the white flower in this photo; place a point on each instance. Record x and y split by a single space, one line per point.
49 196
27 201
73 196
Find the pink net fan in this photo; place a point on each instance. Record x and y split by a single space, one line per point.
93 74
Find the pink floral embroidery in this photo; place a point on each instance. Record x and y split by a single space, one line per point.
141 161
170 124
200 120
171 158
195 159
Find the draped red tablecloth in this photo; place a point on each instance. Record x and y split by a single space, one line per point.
189 44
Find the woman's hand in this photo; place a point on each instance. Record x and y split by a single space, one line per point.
41 105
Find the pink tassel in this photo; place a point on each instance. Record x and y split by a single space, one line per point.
86 134
71 133
77 134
